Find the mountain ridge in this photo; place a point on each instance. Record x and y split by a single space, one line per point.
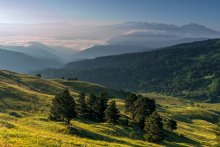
107 50
20 62
185 70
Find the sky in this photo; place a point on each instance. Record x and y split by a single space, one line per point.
110 11
59 13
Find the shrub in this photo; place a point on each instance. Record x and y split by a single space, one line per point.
15 114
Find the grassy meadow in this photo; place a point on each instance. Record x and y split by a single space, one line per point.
25 102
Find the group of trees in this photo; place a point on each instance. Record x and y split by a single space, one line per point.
65 108
142 111
69 79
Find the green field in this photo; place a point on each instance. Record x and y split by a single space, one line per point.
25 101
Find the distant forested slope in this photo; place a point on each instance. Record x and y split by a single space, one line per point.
189 70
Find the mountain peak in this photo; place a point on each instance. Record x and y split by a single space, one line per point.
37 44
200 30
193 25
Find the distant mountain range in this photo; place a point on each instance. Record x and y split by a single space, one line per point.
106 50
157 35
23 63
129 37
35 56
40 50
188 70
35 49
133 37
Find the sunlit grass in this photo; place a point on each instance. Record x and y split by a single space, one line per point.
22 95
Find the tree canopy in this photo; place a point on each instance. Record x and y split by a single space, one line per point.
63 107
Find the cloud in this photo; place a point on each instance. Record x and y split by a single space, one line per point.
149 33
79 37
52 34
77 44
154 32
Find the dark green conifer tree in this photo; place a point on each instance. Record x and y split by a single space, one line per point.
99 107
154 128
143 107
63 107
82 108
170 124
112 113
129 103
91 102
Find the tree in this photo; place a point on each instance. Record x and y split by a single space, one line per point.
143 107
82 108
129 103
170 124
63 107
99 107
104 97
112 113
38 75
217 133
154 128
214 90
91 102
217 136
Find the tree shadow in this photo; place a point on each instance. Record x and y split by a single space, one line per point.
2 109
94 136
183 118
121 129
173 140
124 131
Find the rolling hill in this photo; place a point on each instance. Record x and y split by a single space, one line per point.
187 70
34 49
57 55
54 86
24 107
107 50
23 63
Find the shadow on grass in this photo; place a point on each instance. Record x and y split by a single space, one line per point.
183 118
173 140
121 129
2 109
125 131
94 136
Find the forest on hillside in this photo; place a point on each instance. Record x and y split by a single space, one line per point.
189 70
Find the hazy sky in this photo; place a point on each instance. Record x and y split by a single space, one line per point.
62 22
110 11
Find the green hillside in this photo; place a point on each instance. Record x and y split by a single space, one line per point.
187 70
24 107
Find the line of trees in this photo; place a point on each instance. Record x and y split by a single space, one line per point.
65 108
